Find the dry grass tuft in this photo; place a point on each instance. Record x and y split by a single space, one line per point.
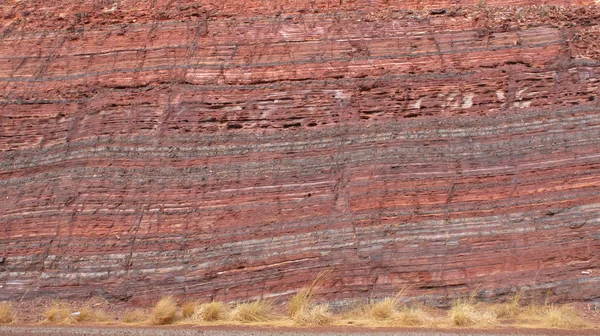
134 316
316 315
6 313
511 309
58 312
303 300
551 316
413 317
87 314
164 311
300 302
256 311
387 308
210 312
302 309
464 314
357 312
188 309
563 317
382 310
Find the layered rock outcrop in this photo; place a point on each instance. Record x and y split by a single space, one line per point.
234 150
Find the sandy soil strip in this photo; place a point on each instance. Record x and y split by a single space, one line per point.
178 331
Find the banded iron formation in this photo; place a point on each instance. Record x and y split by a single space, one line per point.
236 149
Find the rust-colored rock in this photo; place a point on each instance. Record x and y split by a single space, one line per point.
236 149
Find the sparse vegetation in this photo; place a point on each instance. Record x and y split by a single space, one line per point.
303 300
563 317
387 308
552 316
134 316
88 314
210 312
413 317
299 302
464 314
164 311
302 310
6 313
383 310
255 311
188 308
544 315
315 315
58 312
509 310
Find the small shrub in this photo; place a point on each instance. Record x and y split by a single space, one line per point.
164 311
256 311
188 308
6 313
210 312
58 313
134 316
317 315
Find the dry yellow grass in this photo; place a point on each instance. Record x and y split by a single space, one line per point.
88 314
210 312
316 315
303 300
255 311
358 311
303 311
58 312
387 308
188 308
464 314
382 310
299 302
562 317
6 313
509 310
164 311
416 316
551 316
134 316
539 315
413 317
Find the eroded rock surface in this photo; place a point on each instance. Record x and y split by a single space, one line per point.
232 150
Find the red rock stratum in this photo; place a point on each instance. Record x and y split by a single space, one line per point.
233 149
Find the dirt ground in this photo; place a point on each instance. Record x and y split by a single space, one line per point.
29 314
31 311
241 331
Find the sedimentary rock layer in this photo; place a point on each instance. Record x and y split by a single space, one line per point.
235 150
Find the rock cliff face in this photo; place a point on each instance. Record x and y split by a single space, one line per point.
233 150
